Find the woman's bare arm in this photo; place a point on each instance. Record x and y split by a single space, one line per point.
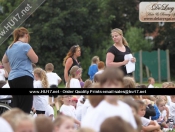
6 73
32 56
68 64
110 59
5 63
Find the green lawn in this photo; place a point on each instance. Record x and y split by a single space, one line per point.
156 85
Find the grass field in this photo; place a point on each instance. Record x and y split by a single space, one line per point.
159 85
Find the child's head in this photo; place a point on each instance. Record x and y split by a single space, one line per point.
101 65
66 99
170 85
74 101
160 104
111 78
11 115
63 123
24 123
116 124
129 82
87 83
95 99
49 67
141 86
151 80
95 60
142 108
132 104
164 97
95 85
40 74
85 130
96 78
5 126
43 124
173 98
76 72
165 84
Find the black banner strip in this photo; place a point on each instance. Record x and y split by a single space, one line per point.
83 91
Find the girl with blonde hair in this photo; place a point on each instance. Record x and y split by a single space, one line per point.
115 54
129 82
40 102
75 74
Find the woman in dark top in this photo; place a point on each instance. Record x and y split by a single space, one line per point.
116 53
71 60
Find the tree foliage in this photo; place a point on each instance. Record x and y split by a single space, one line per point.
136 39
58 24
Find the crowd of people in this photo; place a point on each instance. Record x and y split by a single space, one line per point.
102 113
96 113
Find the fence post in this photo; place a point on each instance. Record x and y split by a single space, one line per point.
159 66
141 67
168 66
134 71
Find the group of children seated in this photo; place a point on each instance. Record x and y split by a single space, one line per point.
98 113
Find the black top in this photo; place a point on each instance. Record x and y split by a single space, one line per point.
75 63
150 111
119 56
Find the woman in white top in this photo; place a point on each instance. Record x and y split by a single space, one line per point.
75 74
107 106
40 102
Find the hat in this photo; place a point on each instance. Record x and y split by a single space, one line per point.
74 98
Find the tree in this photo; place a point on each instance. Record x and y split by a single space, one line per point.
57 25
136 39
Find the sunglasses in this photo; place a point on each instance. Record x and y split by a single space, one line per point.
76 46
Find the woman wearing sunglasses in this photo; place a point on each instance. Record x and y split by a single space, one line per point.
71 60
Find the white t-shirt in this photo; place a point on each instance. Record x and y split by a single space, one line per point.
145 121
5 126
40 102
150 86
75 83
49 111
53 78
79 104
169 100
172 111
78 113
99 72
162 116
2 75
68 110
94 118
86 108
6 96
6 85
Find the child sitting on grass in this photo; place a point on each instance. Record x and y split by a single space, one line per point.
147 124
